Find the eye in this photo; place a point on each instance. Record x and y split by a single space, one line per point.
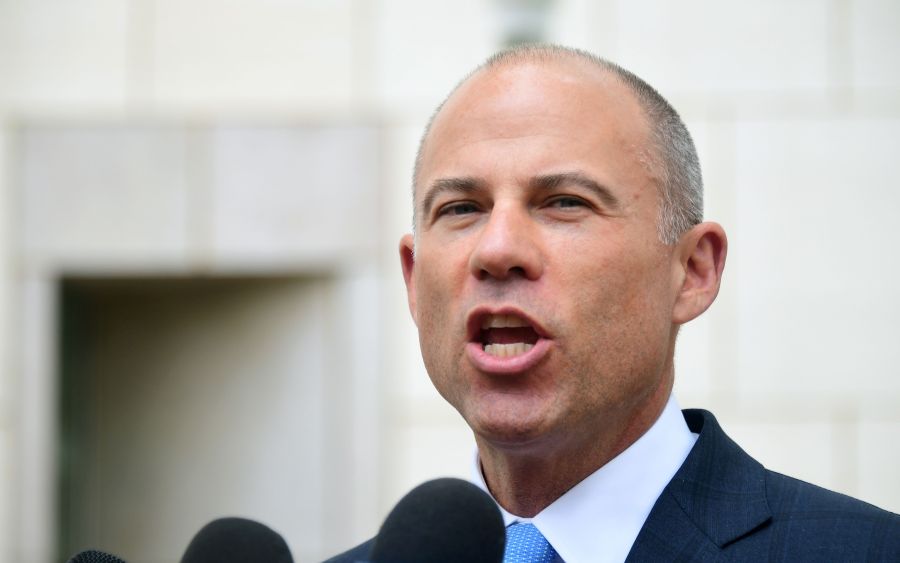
566 202
458 208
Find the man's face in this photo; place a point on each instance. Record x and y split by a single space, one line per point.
541 291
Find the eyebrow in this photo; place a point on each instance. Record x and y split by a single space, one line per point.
553 181
463 185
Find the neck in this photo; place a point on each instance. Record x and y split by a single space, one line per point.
526 480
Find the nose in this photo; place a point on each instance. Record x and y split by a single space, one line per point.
507 246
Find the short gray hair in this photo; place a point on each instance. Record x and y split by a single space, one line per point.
674 158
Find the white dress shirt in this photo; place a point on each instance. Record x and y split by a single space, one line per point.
598 519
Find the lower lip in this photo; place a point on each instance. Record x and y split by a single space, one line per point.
509 365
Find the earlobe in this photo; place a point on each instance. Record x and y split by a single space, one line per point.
407 263
702 253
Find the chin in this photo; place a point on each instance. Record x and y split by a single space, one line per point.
511 430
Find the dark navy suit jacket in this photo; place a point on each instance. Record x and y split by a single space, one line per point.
722 505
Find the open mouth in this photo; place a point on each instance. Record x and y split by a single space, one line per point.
504 336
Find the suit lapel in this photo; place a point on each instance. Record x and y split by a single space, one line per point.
716 497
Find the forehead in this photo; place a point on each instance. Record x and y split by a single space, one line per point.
572 105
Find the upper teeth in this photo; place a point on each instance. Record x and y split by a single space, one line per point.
502 321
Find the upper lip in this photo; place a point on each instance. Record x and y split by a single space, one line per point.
477 315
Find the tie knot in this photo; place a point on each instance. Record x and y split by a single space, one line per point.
526 544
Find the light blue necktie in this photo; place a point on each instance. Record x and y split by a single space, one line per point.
525 544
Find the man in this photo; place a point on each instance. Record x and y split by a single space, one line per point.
558 247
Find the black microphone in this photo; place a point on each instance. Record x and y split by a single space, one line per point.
94 556
237 540
442 521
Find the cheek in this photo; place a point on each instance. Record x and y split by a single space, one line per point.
619 304
438 333
434 294
439 284
606 285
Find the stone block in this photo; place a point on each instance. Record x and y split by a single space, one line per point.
283 195
710 46
814 257
103 195
420 50
875 44
255 56
63 54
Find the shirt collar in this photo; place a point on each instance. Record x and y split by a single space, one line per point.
598 519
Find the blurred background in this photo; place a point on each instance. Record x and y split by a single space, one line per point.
201 309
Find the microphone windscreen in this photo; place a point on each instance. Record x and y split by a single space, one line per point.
237 540
94 556
444 520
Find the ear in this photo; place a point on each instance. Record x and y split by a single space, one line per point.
701 253
408 263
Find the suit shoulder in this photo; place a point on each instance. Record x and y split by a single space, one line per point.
788 495
806 514
355 555
754 514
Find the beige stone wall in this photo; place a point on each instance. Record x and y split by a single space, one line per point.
795 107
